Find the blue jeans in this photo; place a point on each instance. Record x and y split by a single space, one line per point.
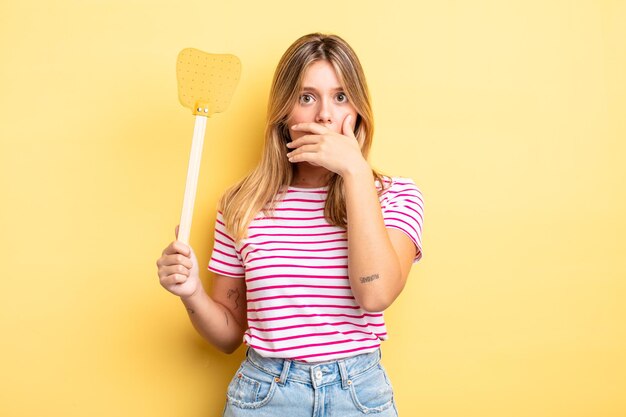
274 387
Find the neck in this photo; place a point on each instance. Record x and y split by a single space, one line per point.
309 176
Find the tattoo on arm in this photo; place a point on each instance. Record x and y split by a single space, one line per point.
234 293
370 278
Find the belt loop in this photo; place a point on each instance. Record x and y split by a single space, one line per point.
283 375
344 373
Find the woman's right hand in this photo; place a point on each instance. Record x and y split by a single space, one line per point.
178 269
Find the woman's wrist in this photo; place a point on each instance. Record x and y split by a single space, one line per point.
358 170
195 297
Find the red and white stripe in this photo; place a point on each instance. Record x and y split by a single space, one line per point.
295 264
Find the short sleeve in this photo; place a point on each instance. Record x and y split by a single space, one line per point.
403 209
225 259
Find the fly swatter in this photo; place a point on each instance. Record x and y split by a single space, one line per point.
206 83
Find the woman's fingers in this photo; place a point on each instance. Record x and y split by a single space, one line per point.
177 247
169 261
174 267
173 280
305 140
312 127
347 128
178 269
176 259
304 148
175 274
311 157
320 133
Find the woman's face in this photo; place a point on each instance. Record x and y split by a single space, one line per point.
322 100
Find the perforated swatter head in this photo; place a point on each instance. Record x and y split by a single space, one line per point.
206 82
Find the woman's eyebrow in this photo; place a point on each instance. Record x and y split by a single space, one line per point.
315 89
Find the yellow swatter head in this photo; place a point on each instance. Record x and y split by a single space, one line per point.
206 82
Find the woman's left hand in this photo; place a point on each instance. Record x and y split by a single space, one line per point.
334 151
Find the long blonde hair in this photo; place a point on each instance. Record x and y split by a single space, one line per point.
259 190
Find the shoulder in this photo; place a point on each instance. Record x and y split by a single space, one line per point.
394 185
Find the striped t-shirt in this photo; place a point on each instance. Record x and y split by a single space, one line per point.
299 301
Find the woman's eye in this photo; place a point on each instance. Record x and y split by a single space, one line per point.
342 98
306 98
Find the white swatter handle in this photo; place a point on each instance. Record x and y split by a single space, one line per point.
192 179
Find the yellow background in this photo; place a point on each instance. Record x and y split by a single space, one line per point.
510 116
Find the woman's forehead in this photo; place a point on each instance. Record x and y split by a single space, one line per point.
321 74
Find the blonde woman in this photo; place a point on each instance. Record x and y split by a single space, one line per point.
309 249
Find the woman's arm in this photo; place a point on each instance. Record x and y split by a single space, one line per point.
379 259
220 318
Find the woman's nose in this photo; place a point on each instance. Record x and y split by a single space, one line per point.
323 113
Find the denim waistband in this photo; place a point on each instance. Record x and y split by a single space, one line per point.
317 373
